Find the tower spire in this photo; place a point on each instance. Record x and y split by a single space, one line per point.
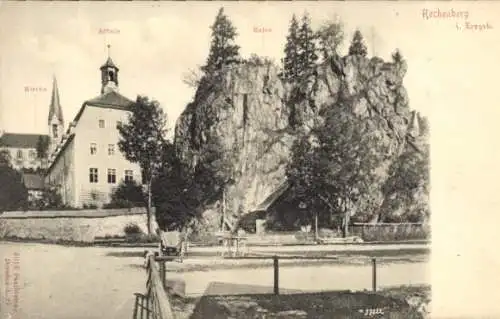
55 109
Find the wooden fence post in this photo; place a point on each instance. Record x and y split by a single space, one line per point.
134 316
163 273
276 275
374 274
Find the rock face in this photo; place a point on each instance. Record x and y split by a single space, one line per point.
256 117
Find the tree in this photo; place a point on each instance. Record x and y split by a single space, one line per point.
50 199
330 36
192 78
331 173
307 47
408 175
397 58
5 158
182 189
128 194
142 141
42 148
290 61
358 46
223 50
13 194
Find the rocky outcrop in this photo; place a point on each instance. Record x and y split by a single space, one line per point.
256 118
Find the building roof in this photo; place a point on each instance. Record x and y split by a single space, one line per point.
33 181
280 190
20 140
111 99
55 104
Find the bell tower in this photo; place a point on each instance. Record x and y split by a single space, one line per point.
109 75
55 119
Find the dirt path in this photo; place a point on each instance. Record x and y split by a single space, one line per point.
57 282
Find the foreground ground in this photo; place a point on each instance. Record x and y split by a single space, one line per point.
60 282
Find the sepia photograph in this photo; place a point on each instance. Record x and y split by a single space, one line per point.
190 160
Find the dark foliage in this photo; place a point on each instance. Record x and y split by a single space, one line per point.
223 50
358 46
13 194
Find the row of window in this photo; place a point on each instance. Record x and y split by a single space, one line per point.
20 155
93 149
103 125
94 175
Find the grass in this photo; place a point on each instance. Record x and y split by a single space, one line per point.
335 304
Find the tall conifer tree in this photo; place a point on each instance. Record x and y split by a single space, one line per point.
307 46
290 62
358 46
223 50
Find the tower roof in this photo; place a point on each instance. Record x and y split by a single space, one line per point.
109 63
55 104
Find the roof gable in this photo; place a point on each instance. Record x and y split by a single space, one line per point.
280 190
20 140
109 100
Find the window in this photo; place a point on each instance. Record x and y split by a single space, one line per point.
129 175
55 134
93 148
101 123
111 149
19 154
93 175
111 176
32 155
118 123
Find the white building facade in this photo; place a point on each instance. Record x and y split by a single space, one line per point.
87 165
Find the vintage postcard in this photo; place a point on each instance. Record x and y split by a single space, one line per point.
249 159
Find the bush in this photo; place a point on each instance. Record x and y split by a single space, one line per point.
89 206
395 232
126 195
132 229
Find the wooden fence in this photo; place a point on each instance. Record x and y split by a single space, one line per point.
276 267
155 304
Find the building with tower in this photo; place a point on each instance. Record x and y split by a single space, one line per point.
85 164
55 118
22 148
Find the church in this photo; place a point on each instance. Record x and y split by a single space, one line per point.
84 163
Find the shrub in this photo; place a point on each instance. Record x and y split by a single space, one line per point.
132 229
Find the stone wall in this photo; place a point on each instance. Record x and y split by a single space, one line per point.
77 225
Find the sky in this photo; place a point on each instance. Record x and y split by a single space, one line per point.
452 78
155 44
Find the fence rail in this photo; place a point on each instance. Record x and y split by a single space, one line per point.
276 272
155 304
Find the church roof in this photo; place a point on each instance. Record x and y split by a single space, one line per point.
55 104
19 140
109 63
